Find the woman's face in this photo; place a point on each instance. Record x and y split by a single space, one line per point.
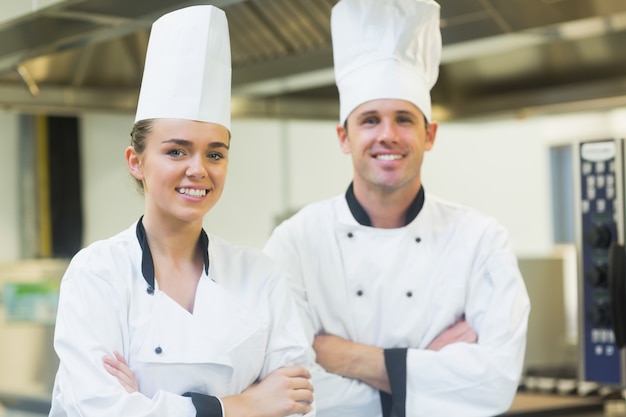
183 168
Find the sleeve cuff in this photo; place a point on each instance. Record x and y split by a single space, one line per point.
395 362
206 405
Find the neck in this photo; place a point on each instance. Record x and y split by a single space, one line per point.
176 241
387 209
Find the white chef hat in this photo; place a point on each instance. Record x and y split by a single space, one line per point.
385 49
187 73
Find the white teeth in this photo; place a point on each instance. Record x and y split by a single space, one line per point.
192 192
388 157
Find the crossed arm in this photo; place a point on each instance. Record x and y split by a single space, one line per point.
367 363
291 386
284 392
289 390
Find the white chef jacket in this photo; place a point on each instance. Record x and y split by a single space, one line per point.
400 288
244 325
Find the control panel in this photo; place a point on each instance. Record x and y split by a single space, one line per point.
602 294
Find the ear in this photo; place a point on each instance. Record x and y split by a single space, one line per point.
133 161
344 141
431 134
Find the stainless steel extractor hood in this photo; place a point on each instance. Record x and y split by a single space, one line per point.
515 57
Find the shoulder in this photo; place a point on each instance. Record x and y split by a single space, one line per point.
313 215
104 259
238 264
304 228
220 247
456 219
456 212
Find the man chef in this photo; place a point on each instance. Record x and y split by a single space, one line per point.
415 306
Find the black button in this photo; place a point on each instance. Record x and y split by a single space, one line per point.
350 235
150 290
418 239
409 294
359 293
158 350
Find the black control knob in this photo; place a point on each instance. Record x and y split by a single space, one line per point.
598 237
600 315
597 276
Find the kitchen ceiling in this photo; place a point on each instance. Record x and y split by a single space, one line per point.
500 57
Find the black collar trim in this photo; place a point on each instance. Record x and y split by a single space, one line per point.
147 263
361 216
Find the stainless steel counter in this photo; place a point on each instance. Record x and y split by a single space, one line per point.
20 404
524 405
548 405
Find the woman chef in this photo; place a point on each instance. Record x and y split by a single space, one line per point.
207 328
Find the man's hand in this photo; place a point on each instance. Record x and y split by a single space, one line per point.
367 363
352 360
118 367
460 331
283 392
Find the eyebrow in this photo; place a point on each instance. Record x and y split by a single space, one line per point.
407 113
375 113
188 143
368 113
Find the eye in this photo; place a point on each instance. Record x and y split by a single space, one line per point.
405 119
216 156
175 152
372 120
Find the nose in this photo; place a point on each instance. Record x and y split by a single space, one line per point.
388 131
196 168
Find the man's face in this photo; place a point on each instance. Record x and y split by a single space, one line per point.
387 140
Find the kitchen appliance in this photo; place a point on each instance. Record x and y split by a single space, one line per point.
600 224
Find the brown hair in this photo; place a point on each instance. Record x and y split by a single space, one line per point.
138 135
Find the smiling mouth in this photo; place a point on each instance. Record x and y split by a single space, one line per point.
192 192
388 157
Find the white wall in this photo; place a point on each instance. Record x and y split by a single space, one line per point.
318 168
502 168
499 167
111 201
9 157
253 194
256 192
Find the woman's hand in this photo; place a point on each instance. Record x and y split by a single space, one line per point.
283 392
121 371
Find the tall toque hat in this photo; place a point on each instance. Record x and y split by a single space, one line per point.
385 49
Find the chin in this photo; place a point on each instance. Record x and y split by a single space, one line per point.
192 217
